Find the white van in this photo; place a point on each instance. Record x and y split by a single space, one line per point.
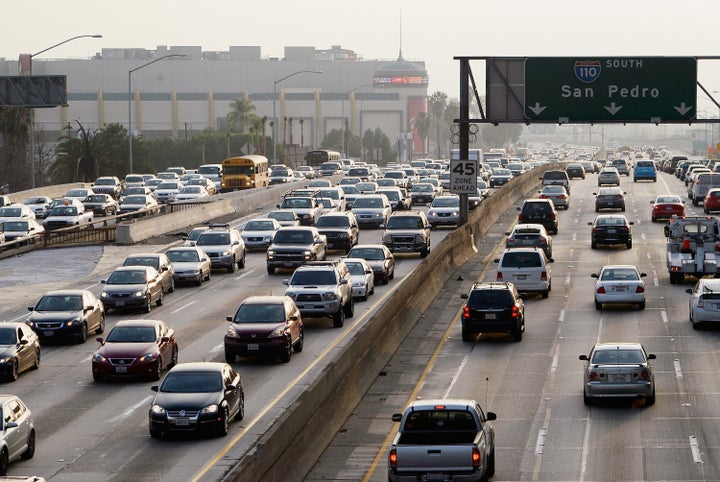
527 268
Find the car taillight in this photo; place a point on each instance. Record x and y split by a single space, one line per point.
515 312
639 289
499 275
392 459
543 276
645 374
466 312
476 458
601 290
625 229
552 216
511 240
595 230
521 217
593 375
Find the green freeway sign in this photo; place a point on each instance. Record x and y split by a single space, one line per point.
611 89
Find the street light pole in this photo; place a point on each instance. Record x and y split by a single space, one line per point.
130 72
274 120
32 111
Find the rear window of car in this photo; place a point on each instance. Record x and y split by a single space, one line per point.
644 164
536 207
490 299
618 357
522 259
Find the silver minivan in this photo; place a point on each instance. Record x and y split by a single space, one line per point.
701 185
527 268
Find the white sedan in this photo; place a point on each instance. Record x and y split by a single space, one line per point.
363 279
619 284
704 302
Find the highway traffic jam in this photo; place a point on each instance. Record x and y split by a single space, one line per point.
202 341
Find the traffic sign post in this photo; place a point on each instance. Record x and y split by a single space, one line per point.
610 89
463 177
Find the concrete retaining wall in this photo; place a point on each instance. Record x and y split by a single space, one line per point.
49 191
288 450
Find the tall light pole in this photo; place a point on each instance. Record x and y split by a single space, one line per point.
274 121
32 111
130 72
342 117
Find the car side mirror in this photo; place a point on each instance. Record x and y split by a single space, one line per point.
590 224
643 275
631 223
396 417
496 260
344 281
518 208
382 226
285 281
464 296
583 357
689 291
594 275
155 388
651 356
11 425
551 260
100 340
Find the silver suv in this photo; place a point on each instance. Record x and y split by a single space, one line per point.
322 288
224 246
407 232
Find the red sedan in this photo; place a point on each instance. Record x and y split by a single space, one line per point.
135 349
665 207
712 201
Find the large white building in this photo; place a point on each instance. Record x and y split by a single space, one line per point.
181 96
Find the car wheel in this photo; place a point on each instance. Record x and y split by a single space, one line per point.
172 286
207 276
695 202
241 408
13 375
586 399
98 378
339 318
546 293
349 308
241 263
391 275
629 244
101 326
83 332
224 424
424 252
300 343
157 370
4 461
30 451
372 290
467 335
231 268
287 352
490 464
148 304
518 334
36 364
175 357
270 269
155 433
598 305
641 305
159 301
653 219
229 357
650 400
593 245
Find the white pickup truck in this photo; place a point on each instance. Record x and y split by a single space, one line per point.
442 441
66 215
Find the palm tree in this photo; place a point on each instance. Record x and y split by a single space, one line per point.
302 131
238 119
421 125
438 103
14 132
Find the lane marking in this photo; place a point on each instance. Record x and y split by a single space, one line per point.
664 316
183 307
678 370
457 375
540 441
695 449
130 410
562 316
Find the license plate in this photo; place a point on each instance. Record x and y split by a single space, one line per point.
620 289
120 369
288 264
48 333
435 477
618 377
490 316
611 231
119 303
182 422
521 276
253 346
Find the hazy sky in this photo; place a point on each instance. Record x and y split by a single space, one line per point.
431 31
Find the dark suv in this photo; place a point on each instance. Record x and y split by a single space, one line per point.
539 211
408 232
340 228
493 307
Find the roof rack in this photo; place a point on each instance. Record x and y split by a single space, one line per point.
223 226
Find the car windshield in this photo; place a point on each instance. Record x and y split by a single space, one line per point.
64 211
195 233
355 268
366 253
190 190
422 188
313 277
95 198
131 334
405 222
611 222
134 200
260 313
293 237
192 382
351 189
134 179
370 202
446 202
172 186
259 226
77 193
35 200
183 256
105 182
60 303
668 199
126 277
213 239
620 274
330 193
10 212
293 203
282 215
554 190
501 172
333 222
617 356
15 226
8 335
142 261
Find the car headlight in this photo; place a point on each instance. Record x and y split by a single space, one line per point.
210 409
329 296
387 238
267 239
137 294
147 357
104 295
231 332
290 294
6 360
98 358
226 252
420 237
379 215
158 410
358 284
455 213
343 236
277 332
270 253
74 321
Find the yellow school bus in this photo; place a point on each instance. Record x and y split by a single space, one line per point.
244 172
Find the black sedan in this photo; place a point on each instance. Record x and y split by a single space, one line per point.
19 350
380 259
67 314
610 229
199 397
132 287
609 198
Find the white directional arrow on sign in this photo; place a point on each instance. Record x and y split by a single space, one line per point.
537 108
613 109
683 109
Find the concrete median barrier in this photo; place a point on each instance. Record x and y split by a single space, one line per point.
289 449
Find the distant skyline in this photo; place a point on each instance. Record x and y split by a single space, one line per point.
432 32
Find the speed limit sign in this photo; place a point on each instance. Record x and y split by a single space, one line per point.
463 177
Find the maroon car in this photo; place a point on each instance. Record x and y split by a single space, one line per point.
666 206
135 349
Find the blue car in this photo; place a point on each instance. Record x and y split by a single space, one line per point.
645 170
